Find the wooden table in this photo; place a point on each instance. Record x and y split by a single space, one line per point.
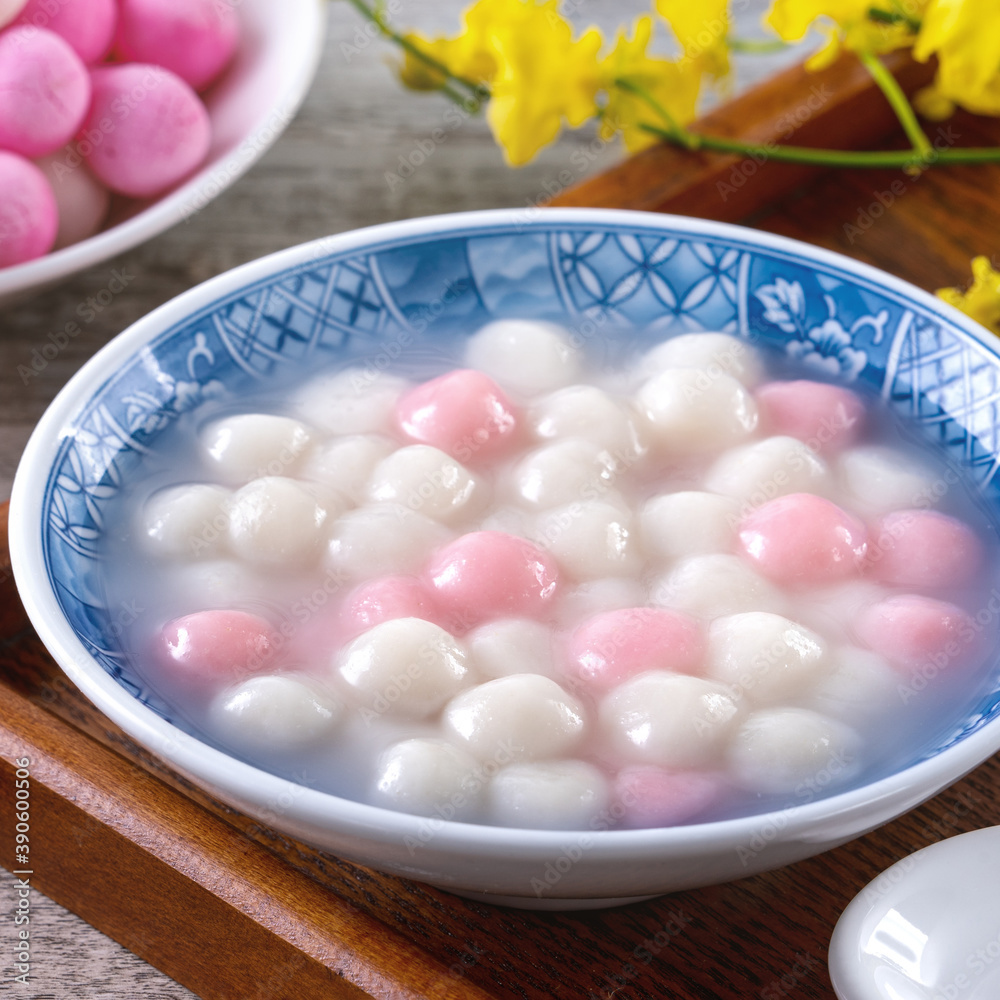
327 174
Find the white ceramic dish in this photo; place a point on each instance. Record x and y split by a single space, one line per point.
356 296
926 928
249 106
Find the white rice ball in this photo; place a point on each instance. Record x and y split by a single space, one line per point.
688 523
382 538
247 446
512 646
786 750
403 668
596 596
351 401
276 521
346 463
428 777
186 522
275 712
548 795
877 480
565 471
688 412
716 584
774 467
585 411
669 719
834 610
859 686
712 353
518 717
591 540
427 480
525 357
764 657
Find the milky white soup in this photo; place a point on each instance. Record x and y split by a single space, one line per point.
507 587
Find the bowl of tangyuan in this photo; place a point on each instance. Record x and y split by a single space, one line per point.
557 560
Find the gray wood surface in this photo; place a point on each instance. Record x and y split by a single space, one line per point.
325 175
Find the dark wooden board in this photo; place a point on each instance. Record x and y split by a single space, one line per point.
231 909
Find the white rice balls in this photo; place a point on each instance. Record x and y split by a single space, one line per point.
520 716
687 412
428 777
276 713
788 750
525 357
404 667
548 795
669 719
245 446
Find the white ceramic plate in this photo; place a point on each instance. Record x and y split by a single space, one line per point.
250 106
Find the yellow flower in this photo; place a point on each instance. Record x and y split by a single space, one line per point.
981 300
544 77
701 27
672 85
539 75
965 36
468 55
852 26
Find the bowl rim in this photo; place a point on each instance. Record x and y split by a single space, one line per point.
309 17
913 784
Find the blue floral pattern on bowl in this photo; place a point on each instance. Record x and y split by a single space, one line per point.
655 277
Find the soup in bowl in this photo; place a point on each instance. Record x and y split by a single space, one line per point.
562 559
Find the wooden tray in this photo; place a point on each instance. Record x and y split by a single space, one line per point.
231 909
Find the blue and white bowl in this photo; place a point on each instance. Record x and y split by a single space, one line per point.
355 295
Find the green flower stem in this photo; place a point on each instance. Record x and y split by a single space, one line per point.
756 46
885 159
680 135
890 87
906 159
479 91
893 17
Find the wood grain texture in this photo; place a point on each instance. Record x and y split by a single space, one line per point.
186 891
923 228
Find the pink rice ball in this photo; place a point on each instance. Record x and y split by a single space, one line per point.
87 25
384 599
616 645
925 549
912 631
146 129
485 575
195 39
28 214
82 200
9 9
52 91
464 413
826 417
653 796
802 538
211 648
